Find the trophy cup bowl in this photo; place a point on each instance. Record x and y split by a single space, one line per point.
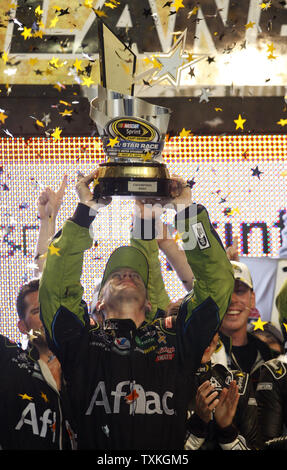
133 134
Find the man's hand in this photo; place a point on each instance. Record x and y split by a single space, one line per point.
206 401
84 192
232 250
180 193
49 201
227 405
147 209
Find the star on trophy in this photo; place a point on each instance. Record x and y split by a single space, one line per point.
132 131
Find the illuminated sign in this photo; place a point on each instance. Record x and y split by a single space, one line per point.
240 179
243 43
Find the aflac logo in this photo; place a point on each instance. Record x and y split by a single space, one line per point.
133 395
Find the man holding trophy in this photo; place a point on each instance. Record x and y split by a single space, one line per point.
128 378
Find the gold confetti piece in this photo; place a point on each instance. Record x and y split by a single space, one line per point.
100 13
271 56
177 4
88 3
184 133
54 21
54 62
5 57
239 122
282 122
39 34
58 87
78 65
234 210
38 10
65 103
192 12
56 134
218 109
190 57
113 142
87 81
259 324
270 48
3 117
67 112
25 396
40 123
96 182
265 6
44 396
26 33
53 250
110 5
33 61
249 25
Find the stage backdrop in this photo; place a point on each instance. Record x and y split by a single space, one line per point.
240 179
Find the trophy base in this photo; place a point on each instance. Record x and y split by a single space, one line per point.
133 180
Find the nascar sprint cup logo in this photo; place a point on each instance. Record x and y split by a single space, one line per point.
135 130
133 137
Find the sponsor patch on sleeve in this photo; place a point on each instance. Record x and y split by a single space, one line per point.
277 368
200 236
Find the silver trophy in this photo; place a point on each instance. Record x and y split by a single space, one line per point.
132 130
133 134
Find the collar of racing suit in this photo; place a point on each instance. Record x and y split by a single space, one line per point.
124 326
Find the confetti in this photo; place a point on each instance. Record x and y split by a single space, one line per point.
282 122
87 81
27 33
239 122
185 133
256 172
3 117
249 25
113 142
57 133
259 324
54 250
204 95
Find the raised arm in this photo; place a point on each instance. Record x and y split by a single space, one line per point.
176 257
62 310
49 203
202 310
144 238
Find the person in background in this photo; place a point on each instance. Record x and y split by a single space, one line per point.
34 411
244 351
269 334
224 409
271 392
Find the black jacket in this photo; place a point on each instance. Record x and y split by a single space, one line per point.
245 421
271 395
31 411
264 353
